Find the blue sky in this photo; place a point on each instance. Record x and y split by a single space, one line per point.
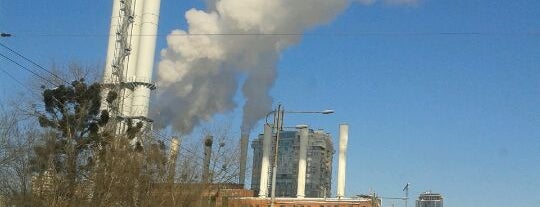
456 114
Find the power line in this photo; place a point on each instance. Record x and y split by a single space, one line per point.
25 68
34 63
537 33
17 81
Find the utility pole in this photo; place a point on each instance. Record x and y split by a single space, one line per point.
278 124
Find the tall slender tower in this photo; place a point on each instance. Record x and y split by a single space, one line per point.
244 139
130 59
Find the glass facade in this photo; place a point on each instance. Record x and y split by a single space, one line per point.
318 164
429 199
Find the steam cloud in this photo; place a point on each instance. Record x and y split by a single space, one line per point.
199 71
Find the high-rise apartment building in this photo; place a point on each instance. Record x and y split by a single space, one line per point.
429 199
318 164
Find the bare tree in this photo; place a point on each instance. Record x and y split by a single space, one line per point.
75 159
16 142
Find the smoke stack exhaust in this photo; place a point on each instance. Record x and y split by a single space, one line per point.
342 160
304 133
207 155
244 139
197 73
265 163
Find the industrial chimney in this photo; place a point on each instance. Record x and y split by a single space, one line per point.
265 163
130 60
342 160
302 154
131 71
207 155
173 155
145 57
244 138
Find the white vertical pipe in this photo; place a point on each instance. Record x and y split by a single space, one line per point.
173 155
145 60
134 39
244 138
175 143
267 139
342 160
107 71
302 155
131 69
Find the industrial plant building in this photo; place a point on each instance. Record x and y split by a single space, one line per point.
318 164
429 199
305 202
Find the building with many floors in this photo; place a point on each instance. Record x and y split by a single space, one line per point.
429 199
318 164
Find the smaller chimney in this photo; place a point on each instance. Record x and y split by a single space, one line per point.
207 155
303 130
342 160
244 138
173 154
265 163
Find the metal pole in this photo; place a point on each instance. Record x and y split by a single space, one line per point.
407 196
406 189
278 122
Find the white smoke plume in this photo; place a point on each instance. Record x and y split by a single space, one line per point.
199 71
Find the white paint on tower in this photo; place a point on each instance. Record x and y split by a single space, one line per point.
302 158
342 159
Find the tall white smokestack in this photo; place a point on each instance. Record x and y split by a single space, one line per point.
130 71
265 163
111 47
243 157
145 58
342 160
302 155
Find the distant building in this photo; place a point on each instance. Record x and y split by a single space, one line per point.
318 170
305 202
429 199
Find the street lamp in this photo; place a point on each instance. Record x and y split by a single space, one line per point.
276 128
5 34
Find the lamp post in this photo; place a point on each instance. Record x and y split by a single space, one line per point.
5 34
276 128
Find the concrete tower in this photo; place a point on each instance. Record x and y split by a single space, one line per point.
342 159
130 59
